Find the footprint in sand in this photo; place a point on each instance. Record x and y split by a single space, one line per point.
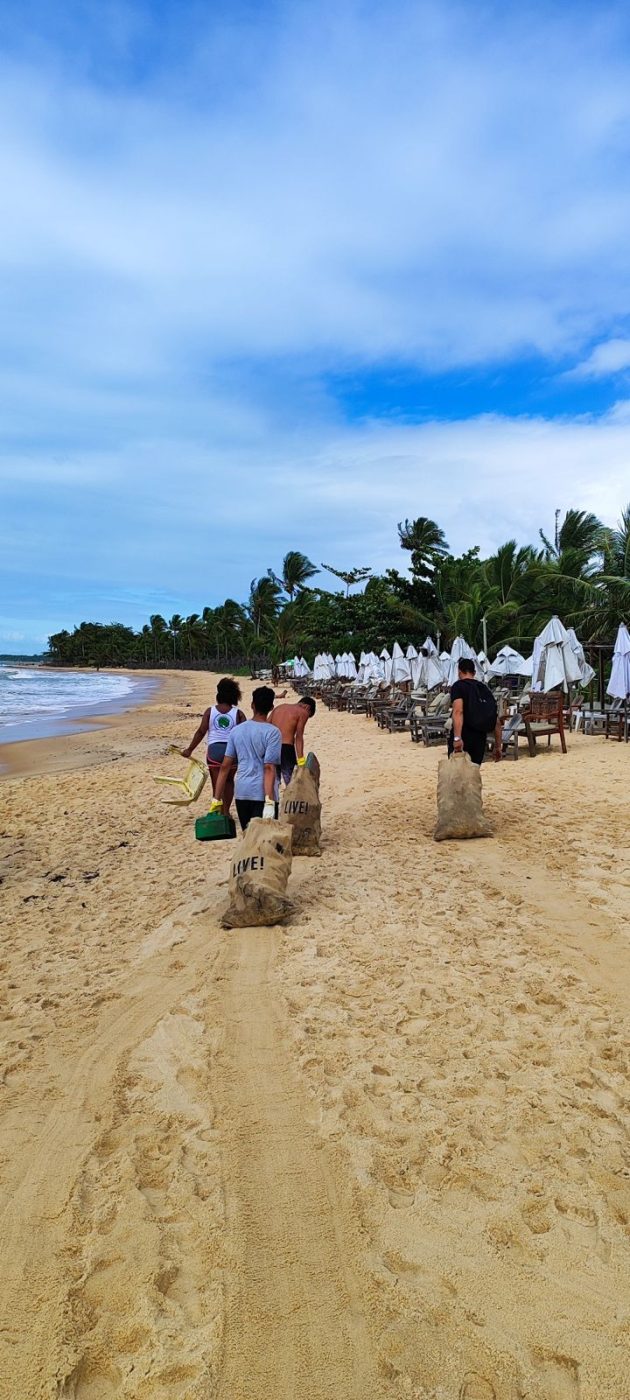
474 1387
579 1221
561 1376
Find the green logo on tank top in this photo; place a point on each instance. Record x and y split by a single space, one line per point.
223 721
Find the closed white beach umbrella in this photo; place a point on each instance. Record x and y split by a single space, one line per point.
374 668
401 670
428 670
387 665
554 661
507 662
587 673
305 669
619 683
320 668
434 672
411 653
484 665
459 649
351 665
429 646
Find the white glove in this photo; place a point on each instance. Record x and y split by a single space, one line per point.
269 810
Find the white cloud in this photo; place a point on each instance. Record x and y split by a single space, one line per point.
185 258
610 357
428 182
199 518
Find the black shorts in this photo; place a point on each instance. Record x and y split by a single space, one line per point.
247 809
474 744
288 760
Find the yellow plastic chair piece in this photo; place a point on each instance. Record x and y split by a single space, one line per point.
190 786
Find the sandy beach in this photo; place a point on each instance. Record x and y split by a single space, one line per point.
378 1154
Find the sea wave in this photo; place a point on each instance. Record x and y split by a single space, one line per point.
26 694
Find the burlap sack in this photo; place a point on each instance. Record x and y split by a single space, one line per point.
259 871
301 808
460 805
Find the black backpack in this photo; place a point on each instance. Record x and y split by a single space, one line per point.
481 711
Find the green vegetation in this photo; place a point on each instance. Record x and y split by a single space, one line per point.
583 575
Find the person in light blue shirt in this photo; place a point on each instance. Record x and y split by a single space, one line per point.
254 749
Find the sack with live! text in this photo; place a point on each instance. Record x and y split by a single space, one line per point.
302 809
259 872
459 800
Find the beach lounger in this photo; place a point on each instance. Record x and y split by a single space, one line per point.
190 786
397 719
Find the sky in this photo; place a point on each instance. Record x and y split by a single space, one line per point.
278 275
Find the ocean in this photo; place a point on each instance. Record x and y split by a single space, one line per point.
39 703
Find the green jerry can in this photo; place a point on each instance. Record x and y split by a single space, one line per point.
215 826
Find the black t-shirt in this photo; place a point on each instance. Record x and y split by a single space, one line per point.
474 742
461 691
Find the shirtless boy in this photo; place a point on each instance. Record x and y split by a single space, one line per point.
291 720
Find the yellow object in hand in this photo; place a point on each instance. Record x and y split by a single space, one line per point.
215 806
301 762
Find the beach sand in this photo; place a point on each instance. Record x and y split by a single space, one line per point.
379 1153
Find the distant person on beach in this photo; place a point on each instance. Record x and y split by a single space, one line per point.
472 711
253 748
292 720
217 722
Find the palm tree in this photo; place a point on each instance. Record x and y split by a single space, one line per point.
426 542
193 631
297 569
175 630
146 638
617 548
581 541
264 600
158 631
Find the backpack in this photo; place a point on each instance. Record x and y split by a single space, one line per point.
481 711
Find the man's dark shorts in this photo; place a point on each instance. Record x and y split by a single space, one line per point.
247 809
288 760
474 744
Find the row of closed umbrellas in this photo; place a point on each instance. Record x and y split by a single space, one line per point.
557 659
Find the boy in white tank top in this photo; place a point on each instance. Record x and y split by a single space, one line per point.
217 722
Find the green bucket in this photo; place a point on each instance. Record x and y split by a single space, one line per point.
215 826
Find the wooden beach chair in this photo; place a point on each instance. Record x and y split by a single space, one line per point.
543 718
509 736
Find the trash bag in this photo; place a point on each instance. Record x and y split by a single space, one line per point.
259 872
301 808
459 800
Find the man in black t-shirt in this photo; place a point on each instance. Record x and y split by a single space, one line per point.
462 738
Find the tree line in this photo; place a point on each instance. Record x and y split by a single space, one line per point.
582 574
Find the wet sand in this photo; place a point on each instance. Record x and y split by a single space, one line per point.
379 1153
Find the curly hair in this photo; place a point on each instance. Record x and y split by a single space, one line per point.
228 692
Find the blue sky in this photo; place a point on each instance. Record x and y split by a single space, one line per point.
277 276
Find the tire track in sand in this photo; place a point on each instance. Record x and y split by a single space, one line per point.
295 1323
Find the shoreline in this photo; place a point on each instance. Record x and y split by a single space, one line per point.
64 749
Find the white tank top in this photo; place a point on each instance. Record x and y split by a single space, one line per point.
220 726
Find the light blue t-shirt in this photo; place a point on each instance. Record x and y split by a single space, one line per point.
253 744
